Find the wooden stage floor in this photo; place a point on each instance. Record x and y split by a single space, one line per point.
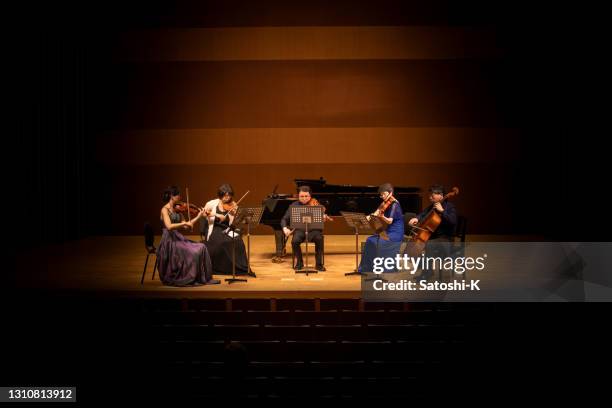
114 264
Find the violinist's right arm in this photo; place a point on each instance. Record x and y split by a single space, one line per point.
168 223
192 222
209 208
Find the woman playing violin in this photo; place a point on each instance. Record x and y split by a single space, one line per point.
181 262
386 243
220 239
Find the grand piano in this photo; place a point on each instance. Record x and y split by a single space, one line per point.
335 198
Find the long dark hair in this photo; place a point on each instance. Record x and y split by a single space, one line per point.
170 192
225 189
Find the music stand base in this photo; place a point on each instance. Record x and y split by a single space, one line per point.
307 271
232 280
375 278
354 273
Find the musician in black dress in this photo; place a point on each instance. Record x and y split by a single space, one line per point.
220 238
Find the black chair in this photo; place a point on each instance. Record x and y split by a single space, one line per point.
458 248
151 250
457 245
461 228
313 251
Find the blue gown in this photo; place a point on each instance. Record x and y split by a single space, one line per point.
378 247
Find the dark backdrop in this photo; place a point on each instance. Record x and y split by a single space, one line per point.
116 101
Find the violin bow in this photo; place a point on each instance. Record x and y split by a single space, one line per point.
188 212
245 194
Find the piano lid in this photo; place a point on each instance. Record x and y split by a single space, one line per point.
320 186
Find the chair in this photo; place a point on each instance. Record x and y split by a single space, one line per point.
151 250
457 245
461 228
309 252
458 248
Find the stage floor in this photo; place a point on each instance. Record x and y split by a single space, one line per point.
114 265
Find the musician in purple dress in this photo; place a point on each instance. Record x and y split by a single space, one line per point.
181 262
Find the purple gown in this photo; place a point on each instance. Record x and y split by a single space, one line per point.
182 262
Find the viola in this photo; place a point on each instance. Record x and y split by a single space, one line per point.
313 201
385 205
379 226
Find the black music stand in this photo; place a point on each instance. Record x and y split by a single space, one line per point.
249 216
305 217
356 221
380 230
234 235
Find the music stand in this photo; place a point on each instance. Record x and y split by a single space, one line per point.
248 216
231 232
356 221
380 231
305 217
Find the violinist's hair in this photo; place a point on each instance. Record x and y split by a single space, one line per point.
225 189
388 187
437 189
305 189
169 192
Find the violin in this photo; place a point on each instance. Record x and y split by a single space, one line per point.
427 226
233 205
187 209
181 208
229 206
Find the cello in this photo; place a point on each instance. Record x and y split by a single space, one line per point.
427 226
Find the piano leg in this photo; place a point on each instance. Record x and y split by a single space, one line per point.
279 238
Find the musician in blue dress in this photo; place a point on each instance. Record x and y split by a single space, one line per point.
386 242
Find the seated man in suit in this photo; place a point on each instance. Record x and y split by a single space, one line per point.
299 236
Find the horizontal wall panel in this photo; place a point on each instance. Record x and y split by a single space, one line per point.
307 43
269 94
309 146
217 13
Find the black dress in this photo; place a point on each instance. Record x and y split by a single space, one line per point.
221 245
